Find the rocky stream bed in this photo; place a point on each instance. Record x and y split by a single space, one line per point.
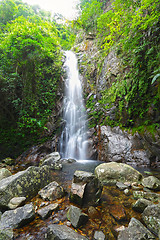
65 199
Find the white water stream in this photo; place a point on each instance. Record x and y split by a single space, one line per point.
73 137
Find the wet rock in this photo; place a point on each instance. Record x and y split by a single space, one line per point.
4 172
151 217
16 202
85 189
135 231
76 216
110 173
61 232
51 192
118 212
8 161
120 146
23 184
151 182
52 160
17 217
141 204
147 195
99 235
6 234
45 212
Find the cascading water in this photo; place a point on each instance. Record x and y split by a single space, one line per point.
73 137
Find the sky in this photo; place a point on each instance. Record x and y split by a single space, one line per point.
64 7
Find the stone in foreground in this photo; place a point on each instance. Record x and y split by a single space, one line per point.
151 217
110 173
99 235
45 212
62 232
141 204
18 217
16 202
86 188
135 231
51 192
76 217
23 184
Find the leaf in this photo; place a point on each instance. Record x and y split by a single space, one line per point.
155 78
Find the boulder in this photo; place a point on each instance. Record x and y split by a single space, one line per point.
85 189
151 217
62 232
135 231
51 192
45 212
141 204
6 234
18 217
52 160
110 173
76 216
23 184
16 202
4 172
151 182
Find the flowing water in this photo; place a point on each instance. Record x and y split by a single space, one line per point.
73 137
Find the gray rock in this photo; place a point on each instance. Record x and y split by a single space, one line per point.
151 182
4 172
141 204
51 192
17 217
62 232
121 186
147 195
45 212
85 189
23 184
151 217
99 235
16 202
110 173
76 217
135 231
6 234
52 160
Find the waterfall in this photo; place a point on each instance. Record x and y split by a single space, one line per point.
73 137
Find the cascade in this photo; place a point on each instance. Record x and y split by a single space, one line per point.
73 142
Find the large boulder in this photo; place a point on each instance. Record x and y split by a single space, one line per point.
110 173
23 184
135 231
120 146
151 217
18 217
85 189
62 232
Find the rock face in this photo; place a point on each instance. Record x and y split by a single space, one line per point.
85 189
119 146
62 232
135 231
76 217
4 173
110 173
24 184
52 191
151 182
18 217
151 217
